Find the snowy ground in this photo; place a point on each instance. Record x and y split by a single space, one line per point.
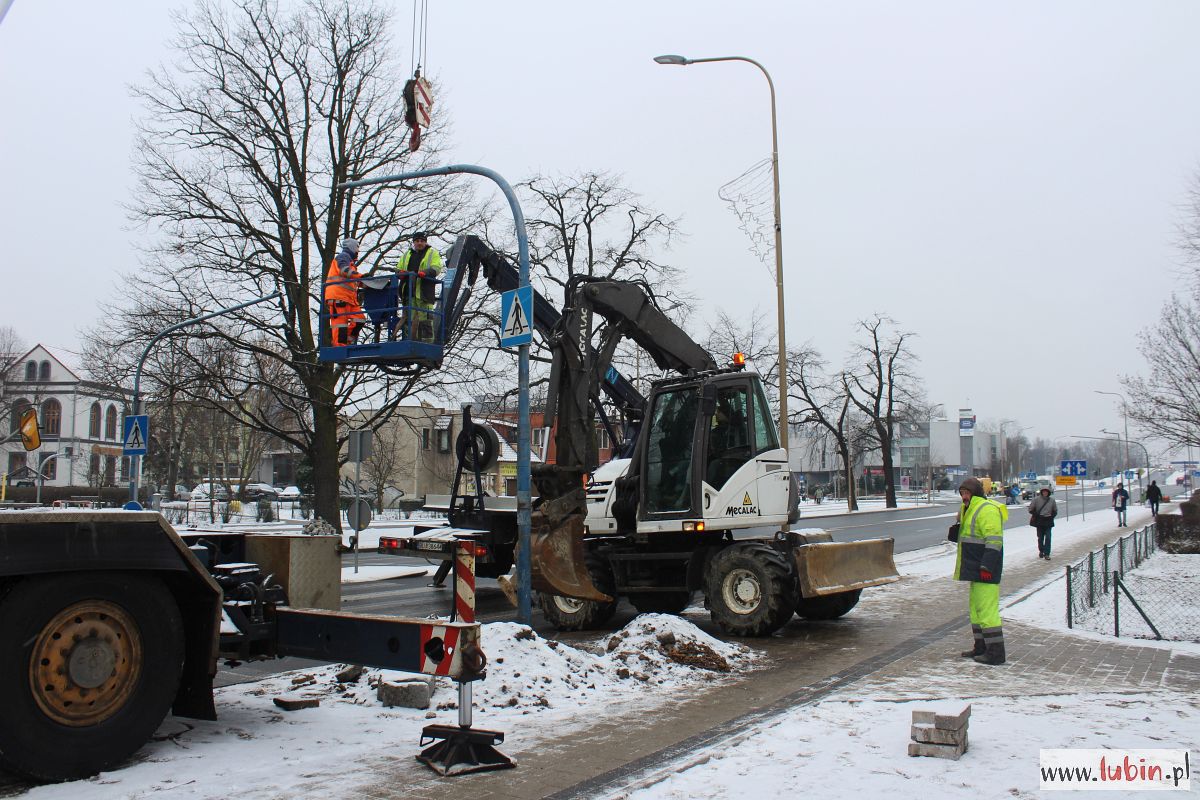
849 746
256 750
846 748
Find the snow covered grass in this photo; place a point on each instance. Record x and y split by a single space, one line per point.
844 748
534 689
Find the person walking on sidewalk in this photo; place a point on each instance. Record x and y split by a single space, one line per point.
1154 497
1042 511
1120 499
980 537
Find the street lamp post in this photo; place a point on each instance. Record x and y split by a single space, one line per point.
1125 415
675 60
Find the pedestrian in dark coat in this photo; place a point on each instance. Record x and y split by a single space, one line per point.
1120 500
1042 511
1154 496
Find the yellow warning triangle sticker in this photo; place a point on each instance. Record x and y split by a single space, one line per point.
746 501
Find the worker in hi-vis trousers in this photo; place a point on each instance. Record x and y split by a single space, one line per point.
980 536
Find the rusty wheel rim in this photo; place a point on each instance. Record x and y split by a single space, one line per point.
86 663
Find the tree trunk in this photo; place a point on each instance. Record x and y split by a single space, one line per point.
324 455
851 489
889 474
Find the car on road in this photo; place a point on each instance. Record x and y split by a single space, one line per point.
182 492
289 493
261 491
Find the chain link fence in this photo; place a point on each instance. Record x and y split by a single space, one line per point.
1114 591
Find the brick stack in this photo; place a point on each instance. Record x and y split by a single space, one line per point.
939 735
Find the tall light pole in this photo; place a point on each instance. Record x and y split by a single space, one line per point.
683 62
1125 415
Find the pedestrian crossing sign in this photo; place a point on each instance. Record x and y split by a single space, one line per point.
137 435
516 326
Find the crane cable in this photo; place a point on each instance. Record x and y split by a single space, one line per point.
420 35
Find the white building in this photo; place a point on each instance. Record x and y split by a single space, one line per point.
80 423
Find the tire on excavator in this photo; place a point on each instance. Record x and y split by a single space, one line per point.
571 614
751 589
828 606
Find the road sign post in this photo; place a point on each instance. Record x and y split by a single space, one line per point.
360 446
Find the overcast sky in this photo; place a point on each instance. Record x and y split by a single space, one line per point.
1004 179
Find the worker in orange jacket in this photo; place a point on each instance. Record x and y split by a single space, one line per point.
341 296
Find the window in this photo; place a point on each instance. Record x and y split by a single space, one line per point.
669 452
51 469
602 440
15 462
443 440
94 423
18 408
424 438
110 470
765 436
539 436
31 371
729 435
44 372
110 423
51 417
124 469
94 470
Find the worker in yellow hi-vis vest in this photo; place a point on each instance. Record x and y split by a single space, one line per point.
980 537
419 269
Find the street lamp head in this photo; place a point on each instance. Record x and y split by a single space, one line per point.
678 61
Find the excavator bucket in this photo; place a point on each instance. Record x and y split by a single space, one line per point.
833 567
557 555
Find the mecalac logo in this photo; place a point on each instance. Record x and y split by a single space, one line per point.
747 507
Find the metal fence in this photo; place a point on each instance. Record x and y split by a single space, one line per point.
1106 595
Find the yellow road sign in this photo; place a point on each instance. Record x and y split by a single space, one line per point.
1065 480
31 437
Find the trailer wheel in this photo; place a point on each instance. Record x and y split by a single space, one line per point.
829 606
751 591
660 602
89 667
569 614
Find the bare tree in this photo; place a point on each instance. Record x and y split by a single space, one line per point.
244 139
755 338
822 400
1166 402
12 347
881 385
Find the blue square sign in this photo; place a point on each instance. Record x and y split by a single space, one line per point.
137 435
516 320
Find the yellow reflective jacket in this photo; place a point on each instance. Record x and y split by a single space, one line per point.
980 541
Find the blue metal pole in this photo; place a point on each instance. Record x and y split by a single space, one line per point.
524 505
136 461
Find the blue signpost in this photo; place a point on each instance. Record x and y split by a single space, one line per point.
515 326
1076 468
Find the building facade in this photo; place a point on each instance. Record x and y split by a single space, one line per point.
80 423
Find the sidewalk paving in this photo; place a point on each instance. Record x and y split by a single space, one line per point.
884 650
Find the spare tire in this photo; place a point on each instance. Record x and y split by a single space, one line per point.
486 440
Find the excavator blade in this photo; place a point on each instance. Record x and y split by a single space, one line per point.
558 561
833 567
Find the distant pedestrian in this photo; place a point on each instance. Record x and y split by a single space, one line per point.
1154 496
818 495
980 537
1120 500
1042 511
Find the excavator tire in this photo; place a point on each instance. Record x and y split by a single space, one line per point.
829 606
751 590
89 665
660 602
570 614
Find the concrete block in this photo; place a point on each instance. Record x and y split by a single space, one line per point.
928 734
940 719
416 693
951 751
296 703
